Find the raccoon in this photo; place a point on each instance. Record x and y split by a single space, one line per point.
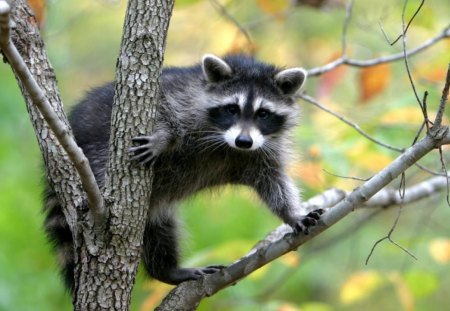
223 121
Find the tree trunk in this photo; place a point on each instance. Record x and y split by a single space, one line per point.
106 275
106 257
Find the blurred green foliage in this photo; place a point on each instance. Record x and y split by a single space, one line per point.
329 273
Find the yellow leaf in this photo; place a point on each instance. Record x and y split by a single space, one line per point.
310 173
364 157
274 7
291 259
360 286
242 45
440 250
406 115
374 80
158 291
314 152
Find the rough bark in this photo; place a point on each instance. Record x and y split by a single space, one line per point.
106 275
60 170
106 270
106 257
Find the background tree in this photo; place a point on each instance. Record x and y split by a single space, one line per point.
384 109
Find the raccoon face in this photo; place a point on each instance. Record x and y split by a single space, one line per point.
247 122
261 108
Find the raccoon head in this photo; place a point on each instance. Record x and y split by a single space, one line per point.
253 102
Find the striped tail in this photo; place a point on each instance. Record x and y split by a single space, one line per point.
59 234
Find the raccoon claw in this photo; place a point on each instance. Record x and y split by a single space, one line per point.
144 153
141 139
145 157
308 221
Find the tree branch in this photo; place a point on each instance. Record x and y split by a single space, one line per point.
59 128
107 278
444 99
343 60
273 246
355 126
223 11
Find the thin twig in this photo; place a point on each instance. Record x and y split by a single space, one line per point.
390 197
404 28
348 16
437 127
394 226
337 238
223 11
425 110
432 172
316 71
407 27
345 177
313 101
444 98
402 187
267 18
416 138
444 169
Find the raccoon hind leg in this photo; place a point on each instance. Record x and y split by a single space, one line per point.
161 254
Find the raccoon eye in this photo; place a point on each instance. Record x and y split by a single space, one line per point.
232 109
263 113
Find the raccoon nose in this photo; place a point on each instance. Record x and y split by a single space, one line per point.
244 141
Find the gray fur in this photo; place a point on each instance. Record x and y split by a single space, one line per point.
189 151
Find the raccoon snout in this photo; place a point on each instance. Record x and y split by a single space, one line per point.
244 141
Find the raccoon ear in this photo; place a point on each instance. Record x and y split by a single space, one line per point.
290 81
215 69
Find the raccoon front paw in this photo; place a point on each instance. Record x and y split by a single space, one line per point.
308 221
146 152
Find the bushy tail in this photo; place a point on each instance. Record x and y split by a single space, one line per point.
60 236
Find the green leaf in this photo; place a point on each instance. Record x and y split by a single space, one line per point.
421 283
316 306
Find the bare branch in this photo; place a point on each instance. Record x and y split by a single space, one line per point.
311 100
444 168
270 18
223 11
444 98
348 16
314 102
405 58
385 198
407 27
346 177
316 71
60 130
401 194
437 123
391 197
389 237
268 250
